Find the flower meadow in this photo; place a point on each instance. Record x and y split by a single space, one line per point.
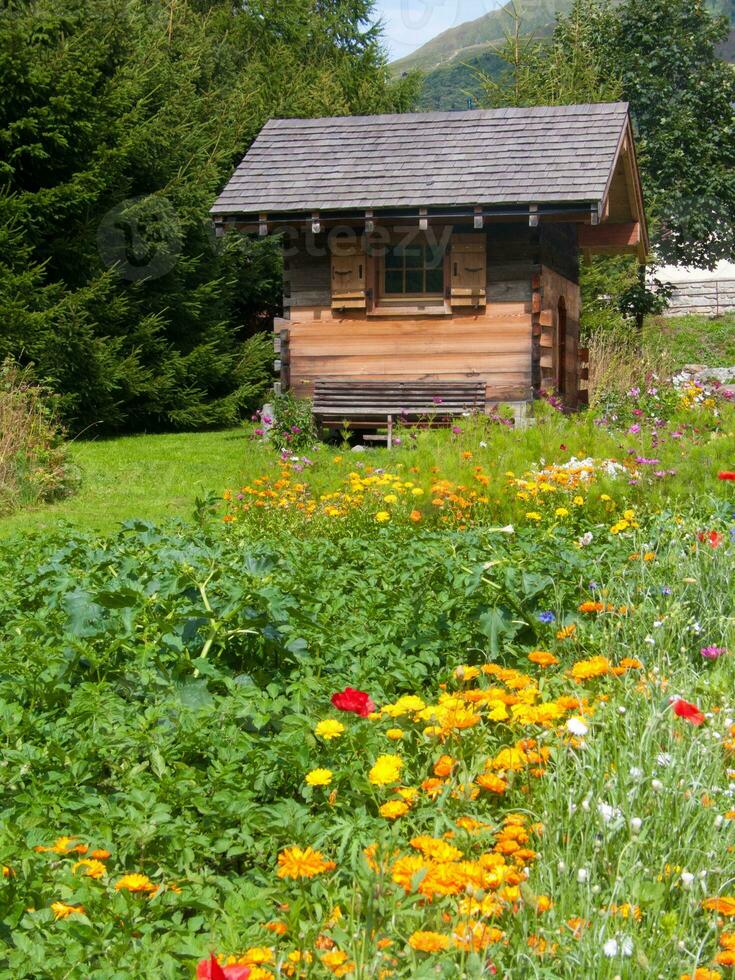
464 709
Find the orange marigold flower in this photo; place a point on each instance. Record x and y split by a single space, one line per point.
135 883
294 862
406 869
428 942
702 973
725 905
727 940
491 783
577 924
62 911
591 607
543 658
100 854
566 631
436 849
433 787
471 826
444 765
726 957
279 928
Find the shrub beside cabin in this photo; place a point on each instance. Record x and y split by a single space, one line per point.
432 259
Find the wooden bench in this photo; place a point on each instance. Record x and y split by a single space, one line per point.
362 404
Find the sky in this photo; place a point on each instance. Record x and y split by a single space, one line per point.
411 23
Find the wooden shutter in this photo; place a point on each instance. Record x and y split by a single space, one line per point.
348 275
468 270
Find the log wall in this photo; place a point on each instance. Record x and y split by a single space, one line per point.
553 288
493 344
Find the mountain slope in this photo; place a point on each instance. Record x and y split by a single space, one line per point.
452 60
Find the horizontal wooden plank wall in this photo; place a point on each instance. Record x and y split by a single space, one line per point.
553 287
493 345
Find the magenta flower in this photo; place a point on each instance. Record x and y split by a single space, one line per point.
712 653
634 429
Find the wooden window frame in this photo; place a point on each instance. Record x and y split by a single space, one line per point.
406 304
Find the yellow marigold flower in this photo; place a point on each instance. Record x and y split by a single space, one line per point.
466 673
593 667
62 845
533 515
491 783
408 704
578 501
7 872
394 734
338 963
561 512
319 777
91 868
417 492
725 905
428 942
407 793
256 955
543 903
512 759
329 729
394 809
543 658
135 883
382 516
62 911
390 498
386 770
258 973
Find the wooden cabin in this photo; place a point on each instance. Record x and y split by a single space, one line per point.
432 259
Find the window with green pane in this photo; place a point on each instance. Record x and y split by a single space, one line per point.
413 270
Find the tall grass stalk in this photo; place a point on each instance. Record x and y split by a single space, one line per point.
33 460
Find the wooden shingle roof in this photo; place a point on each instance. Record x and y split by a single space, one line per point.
481 156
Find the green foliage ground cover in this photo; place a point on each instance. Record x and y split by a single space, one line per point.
160 687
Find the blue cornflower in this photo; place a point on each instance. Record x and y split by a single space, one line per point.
546 617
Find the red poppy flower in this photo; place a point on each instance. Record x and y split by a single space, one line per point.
713 538
211 970
358 702
726 475
689 712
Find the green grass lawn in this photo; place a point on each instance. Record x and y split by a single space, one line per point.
159 476
153 477
693 339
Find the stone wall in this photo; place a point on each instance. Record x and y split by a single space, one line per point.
710 297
